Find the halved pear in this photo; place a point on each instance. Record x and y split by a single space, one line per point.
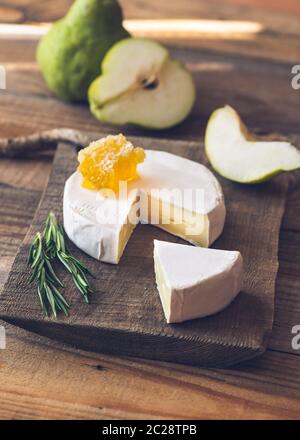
140 84
235 154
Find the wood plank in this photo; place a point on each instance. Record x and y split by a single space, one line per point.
16 212
16 52
289 253
287 312
17 209
27 104
55 381
25 174
32 11
21 186
287 301
276 36
291 219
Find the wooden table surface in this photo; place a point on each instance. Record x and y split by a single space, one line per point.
251 70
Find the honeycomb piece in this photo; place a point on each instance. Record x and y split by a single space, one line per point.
106 162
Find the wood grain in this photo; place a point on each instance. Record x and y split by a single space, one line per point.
135 325
28 104
276 39
32 11
59 382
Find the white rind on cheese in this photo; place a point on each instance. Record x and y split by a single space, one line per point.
160 171
103 241
194 282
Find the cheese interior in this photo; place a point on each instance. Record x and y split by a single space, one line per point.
191 226
125 233
164 290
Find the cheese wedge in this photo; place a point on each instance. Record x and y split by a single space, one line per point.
176 194
194 282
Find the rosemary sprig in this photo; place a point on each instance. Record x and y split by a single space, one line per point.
56 247
49 246
42 271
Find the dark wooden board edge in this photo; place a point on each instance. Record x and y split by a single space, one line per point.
143 346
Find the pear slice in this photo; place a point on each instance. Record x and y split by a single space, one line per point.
235 154
140 84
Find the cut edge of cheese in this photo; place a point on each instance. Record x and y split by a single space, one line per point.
195 282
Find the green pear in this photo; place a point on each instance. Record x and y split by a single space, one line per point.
142 85
237 155
70 53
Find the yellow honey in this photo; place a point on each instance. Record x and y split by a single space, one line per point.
106 162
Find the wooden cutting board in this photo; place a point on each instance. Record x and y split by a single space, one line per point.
125 316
